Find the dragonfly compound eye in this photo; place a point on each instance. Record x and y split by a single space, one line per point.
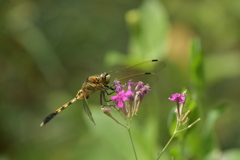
105 77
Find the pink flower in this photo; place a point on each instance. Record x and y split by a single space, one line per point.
133 97
179 98
118 85
121 97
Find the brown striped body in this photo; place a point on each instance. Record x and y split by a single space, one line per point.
91 85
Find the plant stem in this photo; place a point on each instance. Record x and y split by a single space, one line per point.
169 141
132 143
166 145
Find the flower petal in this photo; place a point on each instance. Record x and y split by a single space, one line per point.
121 92
120 103
128 93
125 98
114 97
179 98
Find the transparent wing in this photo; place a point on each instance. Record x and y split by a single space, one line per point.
144 71
87 109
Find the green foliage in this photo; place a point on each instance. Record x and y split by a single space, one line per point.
148 27
48 49
196 67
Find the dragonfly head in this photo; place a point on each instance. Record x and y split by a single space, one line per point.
105 77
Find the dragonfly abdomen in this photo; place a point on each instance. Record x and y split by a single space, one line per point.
52 115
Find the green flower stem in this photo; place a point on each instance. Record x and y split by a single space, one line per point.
175 132
169 141
130 135
135 153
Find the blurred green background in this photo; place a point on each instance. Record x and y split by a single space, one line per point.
48 48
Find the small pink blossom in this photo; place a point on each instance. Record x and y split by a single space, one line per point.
129 84
121 97
179 98
118 86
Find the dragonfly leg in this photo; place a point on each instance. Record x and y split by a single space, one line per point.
112 88
104 99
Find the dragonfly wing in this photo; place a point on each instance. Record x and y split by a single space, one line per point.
87 109
141 71
145 77
147 66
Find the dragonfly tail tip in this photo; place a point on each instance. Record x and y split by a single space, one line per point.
42 124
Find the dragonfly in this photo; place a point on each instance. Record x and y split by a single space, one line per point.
101 82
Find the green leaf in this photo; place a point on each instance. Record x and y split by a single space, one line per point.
211 119
196 67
